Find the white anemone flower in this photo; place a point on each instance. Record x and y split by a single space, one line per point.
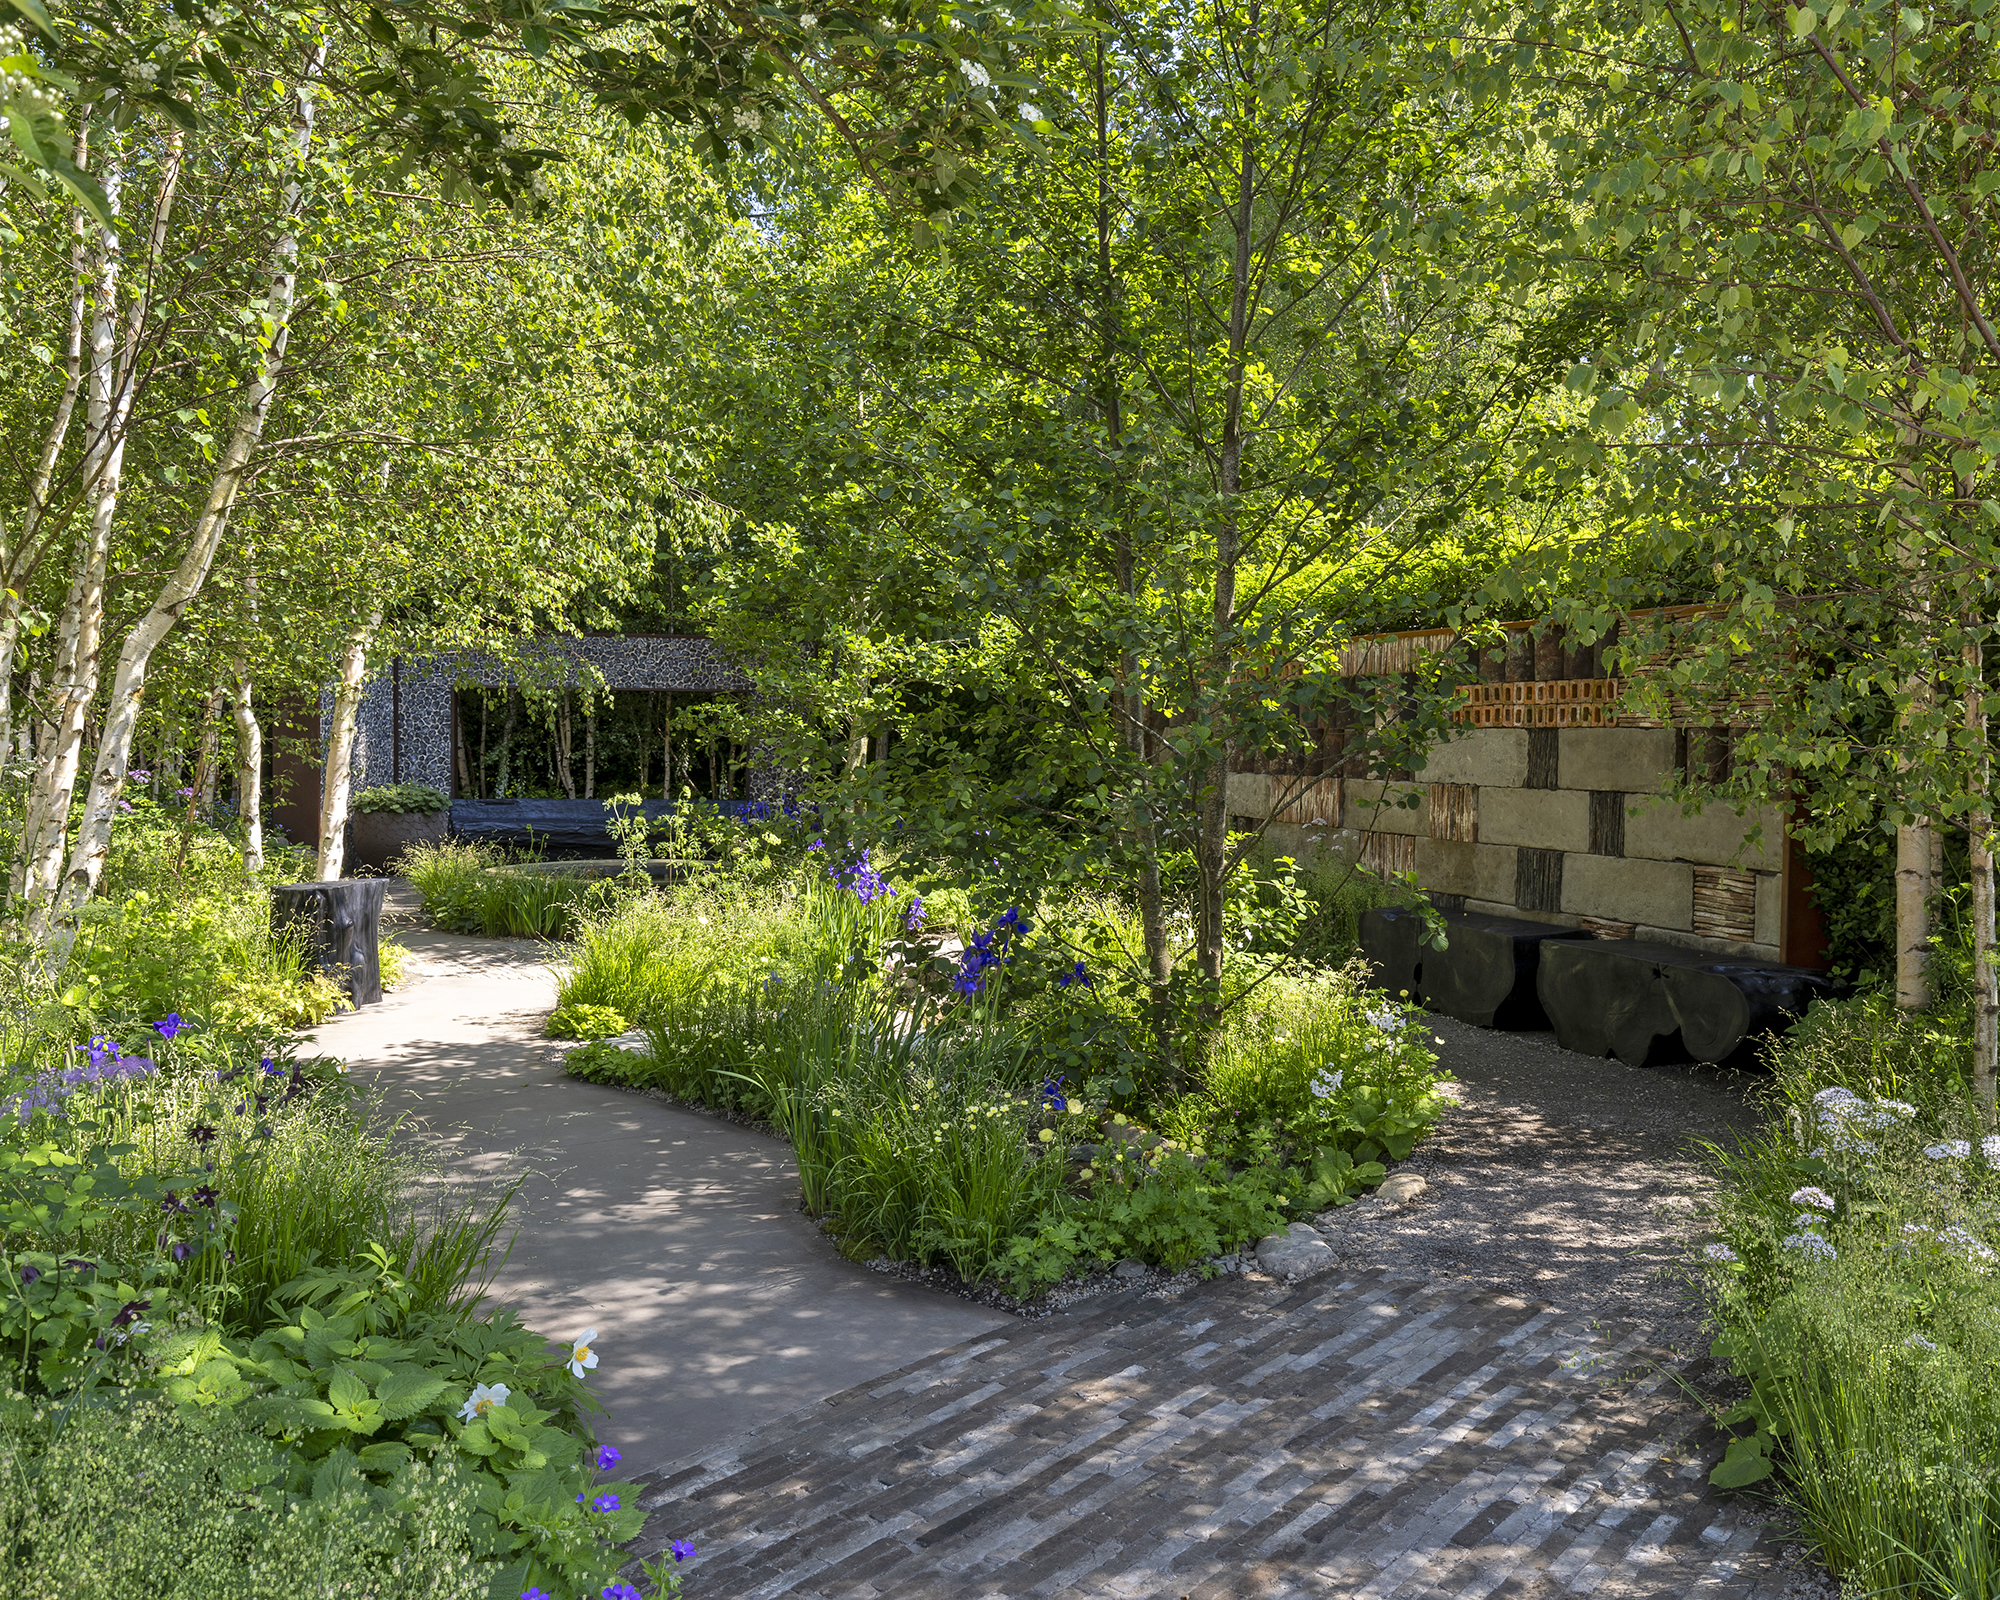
485 1396
581 1357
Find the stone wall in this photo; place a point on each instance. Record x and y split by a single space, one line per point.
404 732
1561 825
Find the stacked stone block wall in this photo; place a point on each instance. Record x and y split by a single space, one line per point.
1560 825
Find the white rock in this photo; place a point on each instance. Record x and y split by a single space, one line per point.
1293 1256
1401 1186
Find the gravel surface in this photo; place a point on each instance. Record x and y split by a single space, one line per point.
1556 1177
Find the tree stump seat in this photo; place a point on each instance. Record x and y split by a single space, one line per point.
340 926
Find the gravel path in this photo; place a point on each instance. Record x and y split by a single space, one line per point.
1555 1177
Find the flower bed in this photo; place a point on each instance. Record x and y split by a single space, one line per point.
1853 1278
978 1095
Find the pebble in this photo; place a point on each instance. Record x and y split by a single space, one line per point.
1130 1269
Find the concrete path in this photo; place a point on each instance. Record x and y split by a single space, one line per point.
677 1236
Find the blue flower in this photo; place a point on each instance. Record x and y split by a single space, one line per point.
1075 974
271 1068
620 1591
171 1027
817 844
913 919
607 1457
1052 1096
605 1502
535 1594
682 1550
30 1274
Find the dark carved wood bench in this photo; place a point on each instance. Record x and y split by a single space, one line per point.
1649 1004
1485 975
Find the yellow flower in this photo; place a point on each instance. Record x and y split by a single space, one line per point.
1048 1135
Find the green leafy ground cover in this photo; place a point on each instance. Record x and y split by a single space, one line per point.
967 1082
239 1354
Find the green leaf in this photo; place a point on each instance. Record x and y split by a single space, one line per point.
35 13
1747 1461
406 1392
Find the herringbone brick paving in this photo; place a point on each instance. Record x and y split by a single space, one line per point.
1366 1435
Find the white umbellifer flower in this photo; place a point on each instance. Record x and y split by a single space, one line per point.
581 1357
1950 1150
1830 1098
1818 1199
485 1396
1990 1148
1718 1252
749 121
1325 1084
1810 1245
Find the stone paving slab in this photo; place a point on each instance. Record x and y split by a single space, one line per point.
1364 1435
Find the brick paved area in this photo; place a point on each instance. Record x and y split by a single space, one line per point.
1360 1436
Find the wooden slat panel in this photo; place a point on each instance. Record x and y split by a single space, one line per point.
1454 812
1725 904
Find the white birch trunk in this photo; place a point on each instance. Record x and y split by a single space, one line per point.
210 759
337 784
249 772
1914 885
20 556
79 630
128 686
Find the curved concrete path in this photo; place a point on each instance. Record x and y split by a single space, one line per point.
677 1236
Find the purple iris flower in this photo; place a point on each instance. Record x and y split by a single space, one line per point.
682 1550
171 1027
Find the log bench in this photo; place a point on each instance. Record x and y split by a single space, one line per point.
1485 975
1649 1004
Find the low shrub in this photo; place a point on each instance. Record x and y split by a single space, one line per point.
128 1496
578 1021
403 799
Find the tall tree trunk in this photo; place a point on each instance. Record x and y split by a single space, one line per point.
128 685
109 377
209 762
506 747
1917 841
1213 797
590 755
20 556
249 745
337 784
249 772
667 751
1979 832
565 770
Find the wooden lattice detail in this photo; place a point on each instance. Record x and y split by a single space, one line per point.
1388 855
1454 812
1315 802
1725 904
